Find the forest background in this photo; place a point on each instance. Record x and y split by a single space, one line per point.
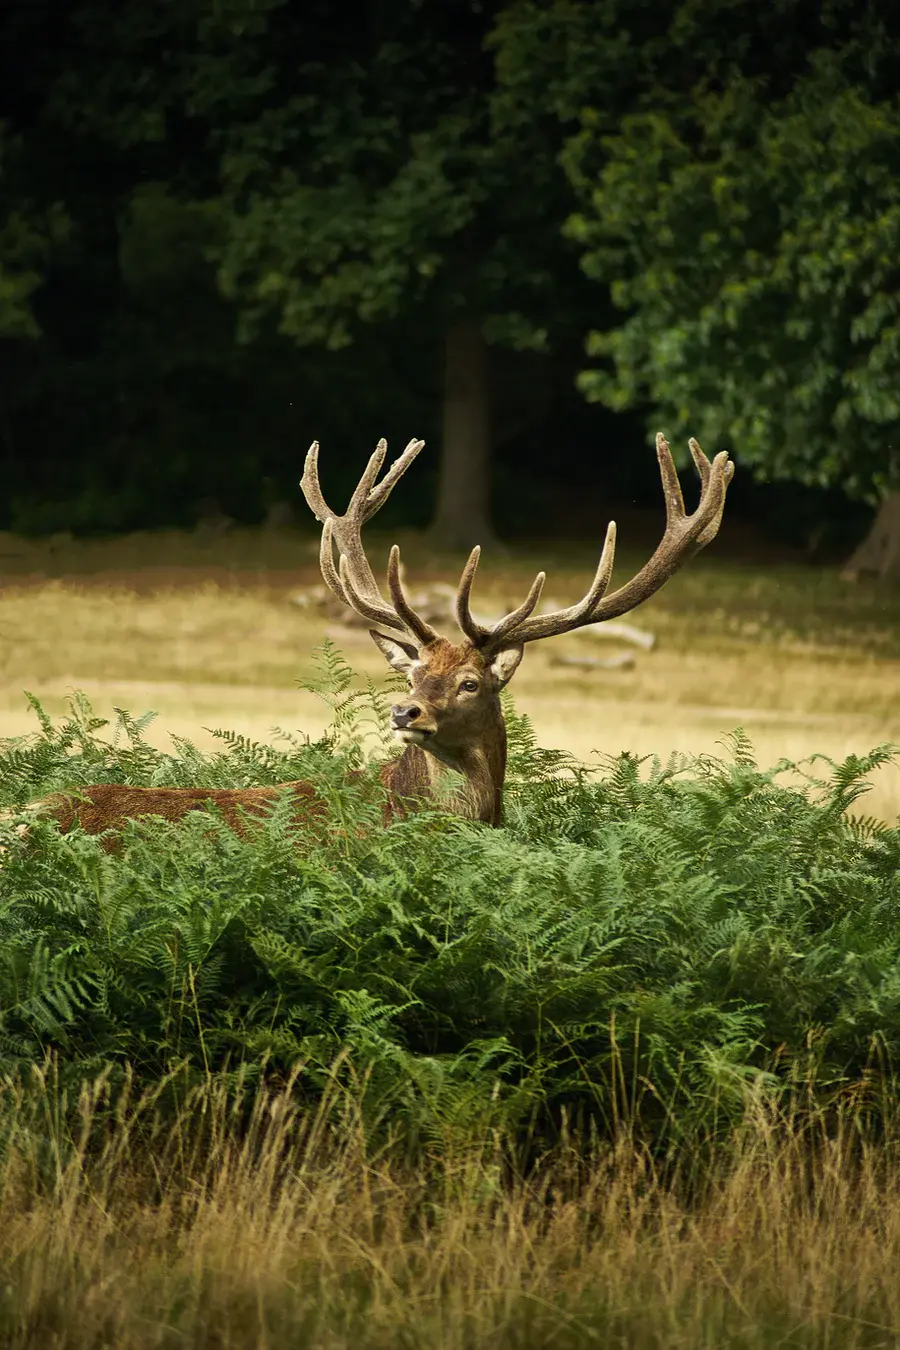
525 231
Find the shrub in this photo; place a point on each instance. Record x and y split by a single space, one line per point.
641 944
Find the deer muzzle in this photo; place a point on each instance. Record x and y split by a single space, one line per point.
408 723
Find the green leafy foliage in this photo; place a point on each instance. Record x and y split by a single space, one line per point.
361 163
749 228
642 941
360 179
28 235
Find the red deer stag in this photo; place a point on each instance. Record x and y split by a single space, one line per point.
451 717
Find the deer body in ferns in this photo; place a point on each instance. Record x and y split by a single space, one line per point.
451 718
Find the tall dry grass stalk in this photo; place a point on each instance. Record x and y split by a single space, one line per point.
246 1220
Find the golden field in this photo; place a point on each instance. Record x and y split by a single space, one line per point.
204 632
121 1227
295 1235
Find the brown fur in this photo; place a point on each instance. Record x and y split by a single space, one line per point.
468 731
107 806
469 736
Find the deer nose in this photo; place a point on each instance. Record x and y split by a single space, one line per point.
401 716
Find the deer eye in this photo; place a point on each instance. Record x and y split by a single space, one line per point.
470 686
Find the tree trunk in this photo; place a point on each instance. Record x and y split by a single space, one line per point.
463 515
879 552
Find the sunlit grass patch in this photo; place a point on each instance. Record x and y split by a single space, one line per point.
243 1218
204 631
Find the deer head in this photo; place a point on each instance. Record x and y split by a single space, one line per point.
451 716
452 691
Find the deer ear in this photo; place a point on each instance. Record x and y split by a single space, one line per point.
505 664
403 656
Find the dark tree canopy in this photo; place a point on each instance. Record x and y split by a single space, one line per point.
228 227
746 213
353 169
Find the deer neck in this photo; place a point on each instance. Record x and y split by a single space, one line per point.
422 773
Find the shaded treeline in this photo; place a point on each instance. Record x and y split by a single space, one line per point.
519 230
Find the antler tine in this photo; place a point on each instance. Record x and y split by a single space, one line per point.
309 484
711 528
701 463
518 628
671 486
326 563
380 494
683 537
416 625
602 577
501 630
360 498
472 630
371 608
490 638
353 581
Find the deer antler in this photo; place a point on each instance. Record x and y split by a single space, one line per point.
684 536
353 581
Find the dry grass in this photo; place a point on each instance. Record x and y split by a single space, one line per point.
134 1235
203 631
144 1235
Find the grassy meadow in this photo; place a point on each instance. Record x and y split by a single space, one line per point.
296 1236
624 1073
202 631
